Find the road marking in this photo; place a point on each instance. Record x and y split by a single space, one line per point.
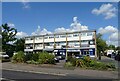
58 74
4 79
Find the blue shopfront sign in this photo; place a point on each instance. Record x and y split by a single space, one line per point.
73 50
90 51
63 50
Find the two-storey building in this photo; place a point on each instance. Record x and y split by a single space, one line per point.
80 42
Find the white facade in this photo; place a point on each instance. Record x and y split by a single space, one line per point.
73 40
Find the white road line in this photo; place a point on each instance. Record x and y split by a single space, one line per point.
58 74
6 79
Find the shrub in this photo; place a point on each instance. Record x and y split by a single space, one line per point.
35 56
92 63
110 66
87 59
28 57
72 60
31 56
46 58
19 57
80 63
87 62
68 65
32 62
100 66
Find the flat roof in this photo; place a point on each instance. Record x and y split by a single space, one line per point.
61 33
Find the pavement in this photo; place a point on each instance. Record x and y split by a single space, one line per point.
59 70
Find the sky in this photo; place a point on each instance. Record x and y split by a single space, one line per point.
36 18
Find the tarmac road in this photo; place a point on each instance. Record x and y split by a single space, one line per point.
28 75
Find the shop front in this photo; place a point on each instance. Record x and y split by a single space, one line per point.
89 51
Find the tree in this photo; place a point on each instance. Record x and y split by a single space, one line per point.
101 45
8 36
19 44
111 47
118 48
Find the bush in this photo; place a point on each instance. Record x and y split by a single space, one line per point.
80 63
35 56
32 62
46 58
111 66
87 59
68 65
99 66
19 57
28 57
87 62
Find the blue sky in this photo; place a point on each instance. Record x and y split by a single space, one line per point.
52 15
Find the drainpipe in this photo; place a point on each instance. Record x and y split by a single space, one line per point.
54 44
80 41
43 44
33 44
66 49
96 55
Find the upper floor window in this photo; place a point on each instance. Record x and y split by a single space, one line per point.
75 35
83 34
69 35
51 37
89 34
84 41
91 42
45 37
56 36
29 38
62 36
38 38
38 45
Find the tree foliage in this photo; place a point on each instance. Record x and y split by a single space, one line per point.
19 44
111 47
101 44
8 35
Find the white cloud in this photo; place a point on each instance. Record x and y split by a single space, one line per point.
75 26
26 4
61 29
112 43
113 39
21 34
41 32
11 25
114 36
107 10
45 31
107 29
112 32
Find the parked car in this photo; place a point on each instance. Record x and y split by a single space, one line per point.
60 56
79 56
4 57
56 60
117 57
